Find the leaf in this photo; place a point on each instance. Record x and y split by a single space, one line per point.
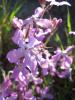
68 20
58 40
14 12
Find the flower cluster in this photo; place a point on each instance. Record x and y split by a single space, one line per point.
32 60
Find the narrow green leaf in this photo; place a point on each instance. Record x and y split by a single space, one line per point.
14 12
58 40
68 20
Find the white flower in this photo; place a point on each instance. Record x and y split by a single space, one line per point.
72 32
53 2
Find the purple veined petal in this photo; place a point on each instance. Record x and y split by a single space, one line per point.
40 58
47 31
27 21
30 76
22 78
29 95
15 73
18 38
69 59
38 12
66 62
4 92
56 57
32 31
38 89
30 62
7 83
41 34
59 21
52 70
64 74
17 23
52 67
70 48
33 65
25 72
33 42
43 63
48 96
24 75
12 97
2 98
14 55
45 23
45 71
37 80
40 38
44 91
58 50
19 74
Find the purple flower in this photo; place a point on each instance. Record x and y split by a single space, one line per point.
48 24
29 95
33 42
17 23
38 12
65 73
20 75
62 62
14 55
32 61
19 39
6 92
46 94
13 96
69 49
